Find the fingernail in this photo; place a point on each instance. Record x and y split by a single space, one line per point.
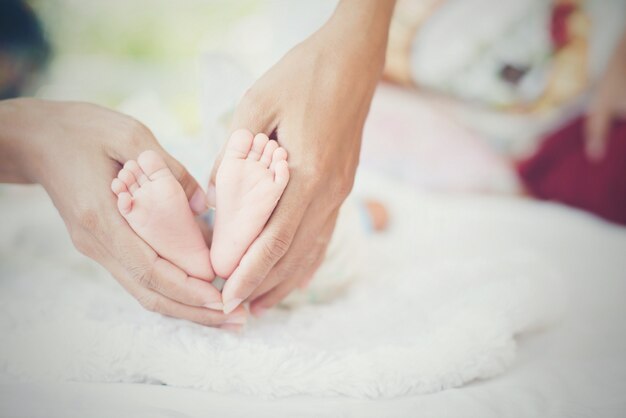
239 319
231 328
216 306
198 202
210 194
231 305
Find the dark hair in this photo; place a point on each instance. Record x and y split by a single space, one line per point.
22 42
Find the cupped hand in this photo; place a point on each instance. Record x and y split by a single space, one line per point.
314 102
608 102
74 150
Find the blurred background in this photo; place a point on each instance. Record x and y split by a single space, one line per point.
472 88
146 53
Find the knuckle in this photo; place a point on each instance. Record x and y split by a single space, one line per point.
275 247
149 303
80 240
342 188
86 226
88 219
251 283
307 264
284 272
144 276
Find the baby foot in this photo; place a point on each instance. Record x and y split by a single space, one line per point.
251 178
155 205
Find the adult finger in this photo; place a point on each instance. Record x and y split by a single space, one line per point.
296 268
274 296
265 251
170 281
155 302
201 316
305 255
148 270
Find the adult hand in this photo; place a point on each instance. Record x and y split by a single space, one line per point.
314 102
74 150
609 102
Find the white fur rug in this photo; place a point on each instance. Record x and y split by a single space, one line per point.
438 303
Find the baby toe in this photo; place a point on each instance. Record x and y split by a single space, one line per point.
258 145
128 178
281 173
279 154
124 203
117 186
152 165
266 157
239 144
133 167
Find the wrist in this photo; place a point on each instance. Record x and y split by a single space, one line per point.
363 27
19 153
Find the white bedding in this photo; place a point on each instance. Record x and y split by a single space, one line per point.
574 369
423 312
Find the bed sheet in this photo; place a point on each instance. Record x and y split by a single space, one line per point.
577 368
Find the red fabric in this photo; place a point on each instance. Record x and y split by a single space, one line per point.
558 24
561 171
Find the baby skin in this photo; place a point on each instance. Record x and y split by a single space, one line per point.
250 181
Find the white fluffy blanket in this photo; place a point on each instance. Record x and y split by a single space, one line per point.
438 303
